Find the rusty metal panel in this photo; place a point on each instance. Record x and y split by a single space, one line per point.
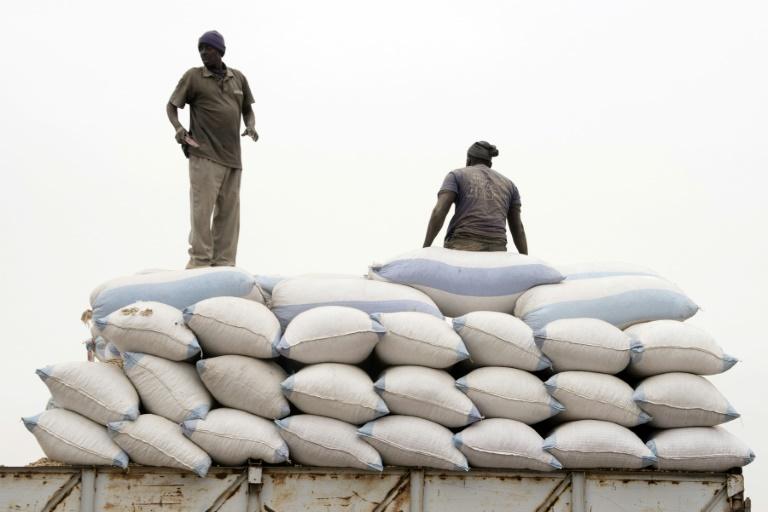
34 491
333 490
495 491
143 489
616 492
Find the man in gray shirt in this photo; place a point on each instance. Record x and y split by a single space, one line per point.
485 202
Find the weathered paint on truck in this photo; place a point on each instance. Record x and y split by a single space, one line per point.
293 489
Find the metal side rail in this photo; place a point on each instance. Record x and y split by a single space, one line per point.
294 488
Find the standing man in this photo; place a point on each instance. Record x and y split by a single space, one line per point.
218 96
485 202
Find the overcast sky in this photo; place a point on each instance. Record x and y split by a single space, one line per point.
636 132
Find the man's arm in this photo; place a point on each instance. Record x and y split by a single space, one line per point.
173 117
250 122
444 201
517 229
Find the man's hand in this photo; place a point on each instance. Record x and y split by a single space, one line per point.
181 134
251 132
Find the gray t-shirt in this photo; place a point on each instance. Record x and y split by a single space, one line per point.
483 200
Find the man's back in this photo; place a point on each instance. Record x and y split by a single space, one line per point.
483 201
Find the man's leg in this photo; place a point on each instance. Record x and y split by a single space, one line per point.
205 178
226 220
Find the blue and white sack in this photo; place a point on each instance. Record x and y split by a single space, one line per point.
155 441
464 281
413 338
618 300
167 388
503 443
666 346
99 391
298 294
330 334
67 437
231 437
683 400
699 449
587 444
177 288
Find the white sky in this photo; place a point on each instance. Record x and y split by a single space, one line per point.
636 131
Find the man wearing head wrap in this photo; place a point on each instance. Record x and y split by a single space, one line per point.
485 202
217 96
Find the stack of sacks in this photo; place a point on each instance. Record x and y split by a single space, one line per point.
374 367
586 353
671 358
139 319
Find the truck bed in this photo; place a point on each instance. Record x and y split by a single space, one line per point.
293 489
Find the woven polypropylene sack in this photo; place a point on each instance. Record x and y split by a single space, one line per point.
296 295
339 391
99 391
155 441
245 383
320 441
177 288
67 437
595 396
587 444
666 346
413 442
509 393
499 339
503 443
167 388
330 334
585 344
699 449
426 393
233 325
149 328
619 300
418 339
683 400
232 437
464 281
104 351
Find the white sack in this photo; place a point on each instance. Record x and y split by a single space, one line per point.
233 325
320 441
339 391
155 441
587 444
619 300
149 328
330 334
595 396
232 437
464 281
67 437
666 346
586 344
245 383
509 393
699 449
177 288
502 443
413 442
298 294
167 388
683 400
499 339
98 391
426 393
418 339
